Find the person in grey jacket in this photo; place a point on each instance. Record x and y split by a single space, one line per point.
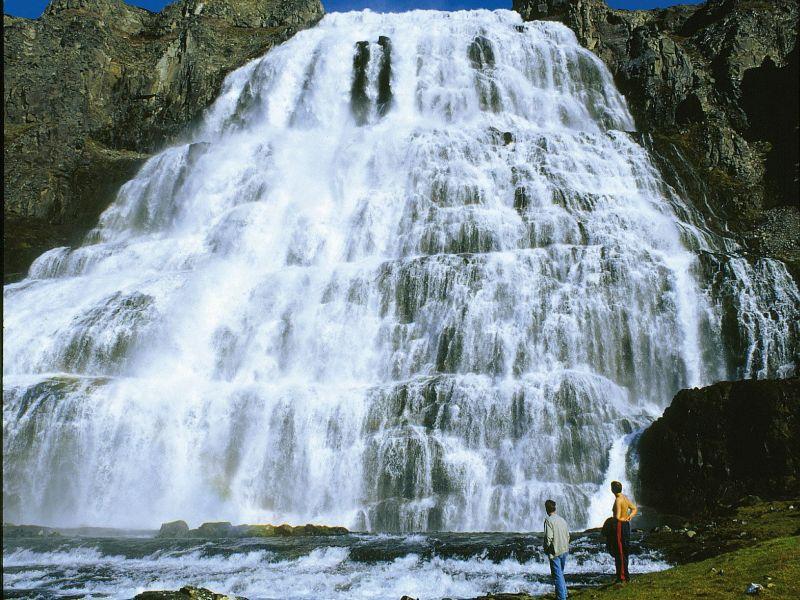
556 546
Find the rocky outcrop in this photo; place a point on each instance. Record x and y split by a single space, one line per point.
188 592
173 529
92 87
717 85
28 531
717 444
224 529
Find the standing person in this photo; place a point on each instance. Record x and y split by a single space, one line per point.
624 511
556 546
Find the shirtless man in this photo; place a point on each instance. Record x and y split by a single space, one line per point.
624 511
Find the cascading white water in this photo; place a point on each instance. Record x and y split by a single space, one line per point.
411 273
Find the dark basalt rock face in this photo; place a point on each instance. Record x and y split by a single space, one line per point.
92 87
716 445
715 86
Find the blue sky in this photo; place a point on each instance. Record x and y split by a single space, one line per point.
34 8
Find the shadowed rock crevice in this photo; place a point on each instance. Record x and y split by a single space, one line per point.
770 99
371 89
359 99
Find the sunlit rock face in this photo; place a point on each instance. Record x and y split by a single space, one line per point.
411 273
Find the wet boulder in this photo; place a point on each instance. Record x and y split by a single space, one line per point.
173 529
288 530
188 592
215 529
260 531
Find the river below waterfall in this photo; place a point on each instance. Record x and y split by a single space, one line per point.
352 567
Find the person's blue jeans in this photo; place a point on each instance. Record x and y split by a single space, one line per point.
557 565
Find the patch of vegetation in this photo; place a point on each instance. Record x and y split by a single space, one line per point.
774 564
726 531
756 542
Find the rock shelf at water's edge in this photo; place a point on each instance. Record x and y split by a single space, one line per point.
179 529
188 592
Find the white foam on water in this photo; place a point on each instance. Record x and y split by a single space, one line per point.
323 573
410 273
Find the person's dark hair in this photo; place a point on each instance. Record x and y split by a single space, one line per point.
616 487
550 506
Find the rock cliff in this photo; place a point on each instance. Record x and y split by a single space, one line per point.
715 88
94 86
717 444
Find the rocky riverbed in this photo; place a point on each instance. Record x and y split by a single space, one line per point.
353 566
716 555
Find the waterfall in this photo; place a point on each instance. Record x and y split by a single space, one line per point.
412 272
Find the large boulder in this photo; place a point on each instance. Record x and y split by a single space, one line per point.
174 529
718 444
188 592
93 87
715 85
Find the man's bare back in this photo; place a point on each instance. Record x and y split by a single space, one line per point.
624 509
